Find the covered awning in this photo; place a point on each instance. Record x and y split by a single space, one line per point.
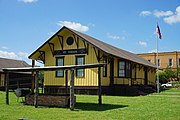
54 68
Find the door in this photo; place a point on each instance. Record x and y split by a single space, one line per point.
145 76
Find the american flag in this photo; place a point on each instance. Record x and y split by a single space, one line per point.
158 32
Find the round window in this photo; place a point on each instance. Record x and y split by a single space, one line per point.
70 41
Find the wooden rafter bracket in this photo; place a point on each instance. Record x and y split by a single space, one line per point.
42 56
51 46
61 39
97 53
76 41
140 67
110 58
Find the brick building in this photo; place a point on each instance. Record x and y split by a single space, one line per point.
165 59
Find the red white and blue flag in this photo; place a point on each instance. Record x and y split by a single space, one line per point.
158 32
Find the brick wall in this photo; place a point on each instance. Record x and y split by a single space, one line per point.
49 100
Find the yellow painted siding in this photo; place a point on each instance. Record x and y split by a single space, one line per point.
2 79
140 75
151 77
105 81
91 76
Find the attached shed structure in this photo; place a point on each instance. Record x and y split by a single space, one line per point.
49 100
16 80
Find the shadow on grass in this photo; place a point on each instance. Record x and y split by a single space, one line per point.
96 107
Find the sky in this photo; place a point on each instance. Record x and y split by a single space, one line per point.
127 24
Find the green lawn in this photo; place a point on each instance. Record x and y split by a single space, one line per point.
165 105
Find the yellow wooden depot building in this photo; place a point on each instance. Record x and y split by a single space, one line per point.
70 47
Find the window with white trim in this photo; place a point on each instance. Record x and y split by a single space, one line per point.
159 62
124 69
121 71
170 62
105 68
80 60
60 62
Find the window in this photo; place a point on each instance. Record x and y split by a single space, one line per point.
149 60
80 61
179 61
124 69
170 62
121 69
159 62
105 68
128 69
60 62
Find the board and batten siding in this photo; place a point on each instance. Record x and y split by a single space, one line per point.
91 75
2 79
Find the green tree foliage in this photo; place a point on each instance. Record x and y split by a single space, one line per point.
169 73
162 77
41 78
177 72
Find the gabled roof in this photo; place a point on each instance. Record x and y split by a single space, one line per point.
10 63
109 49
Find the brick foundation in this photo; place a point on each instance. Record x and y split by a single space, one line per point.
49 100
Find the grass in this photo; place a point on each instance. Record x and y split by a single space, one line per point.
154 107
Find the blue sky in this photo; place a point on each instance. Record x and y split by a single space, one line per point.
127 24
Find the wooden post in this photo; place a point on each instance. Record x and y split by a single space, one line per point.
66 73
99 86
37 90
7 88
33 77
72 90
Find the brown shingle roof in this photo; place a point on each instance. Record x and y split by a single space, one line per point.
113 50
10 63
109 49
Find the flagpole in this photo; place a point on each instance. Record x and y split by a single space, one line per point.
157 49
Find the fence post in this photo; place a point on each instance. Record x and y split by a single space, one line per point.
7 88
99 86
37 90
72 90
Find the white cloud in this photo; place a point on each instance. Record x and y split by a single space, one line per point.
175 18
142 43
23 54
12 55
4 47
91 24
116 37
145 13
74 25
28 1
153 51
162 13
168 16
50 33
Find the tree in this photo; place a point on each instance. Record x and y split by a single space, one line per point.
177 73
162 77
169 73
